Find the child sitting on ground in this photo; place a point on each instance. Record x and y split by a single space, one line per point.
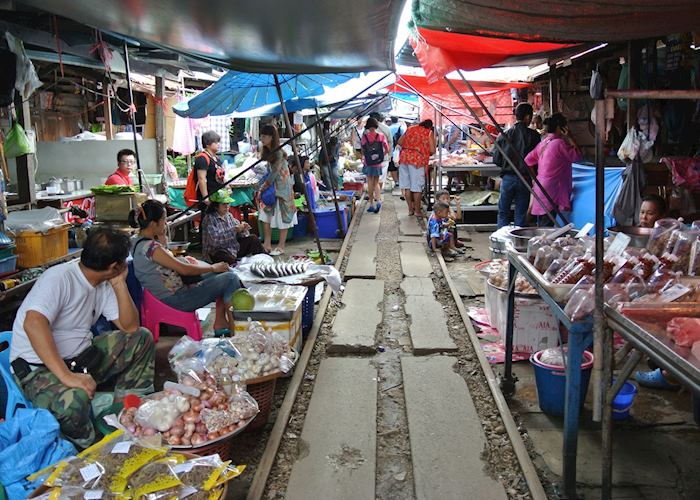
439 231
454 215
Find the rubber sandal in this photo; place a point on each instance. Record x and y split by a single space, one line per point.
447 258
654 379
276 252
378 208
372 209
222 332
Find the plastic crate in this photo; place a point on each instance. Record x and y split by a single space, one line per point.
353 186
8 264
307 311
36 249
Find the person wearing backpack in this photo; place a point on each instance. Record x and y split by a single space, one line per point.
374 148
208 175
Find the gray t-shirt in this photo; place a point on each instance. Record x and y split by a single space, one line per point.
160 281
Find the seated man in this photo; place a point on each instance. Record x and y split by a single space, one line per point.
126 161
55 358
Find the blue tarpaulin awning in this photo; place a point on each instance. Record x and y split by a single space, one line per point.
238 92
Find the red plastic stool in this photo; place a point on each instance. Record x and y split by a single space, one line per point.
154 313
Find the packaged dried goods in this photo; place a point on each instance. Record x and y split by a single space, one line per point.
155 477
661 234
554 268
694 259
682 248
533 245
684 331
582 268
545 256
648 263
581 303
660 313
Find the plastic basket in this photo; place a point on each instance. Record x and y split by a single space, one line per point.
264 394
551 383
275 233
8 264
307 310
36 249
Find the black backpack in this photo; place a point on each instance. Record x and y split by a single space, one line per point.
373 151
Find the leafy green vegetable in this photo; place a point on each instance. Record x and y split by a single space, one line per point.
114 189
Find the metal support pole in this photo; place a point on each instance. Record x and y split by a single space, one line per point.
132 113
579 339
293 142
598 318
324 151
508 381
438 172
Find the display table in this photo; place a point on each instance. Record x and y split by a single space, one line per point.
81 199
580 338
484 169
73 253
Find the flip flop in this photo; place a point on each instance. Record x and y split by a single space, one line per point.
378 207
221 332
654 379
276 252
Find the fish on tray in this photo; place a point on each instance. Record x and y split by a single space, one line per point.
279 269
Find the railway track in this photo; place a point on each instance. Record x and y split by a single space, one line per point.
471 418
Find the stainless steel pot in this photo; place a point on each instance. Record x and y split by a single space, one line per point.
639 235
79 184
523 235
70 185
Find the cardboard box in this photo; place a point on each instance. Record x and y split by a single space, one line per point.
534 325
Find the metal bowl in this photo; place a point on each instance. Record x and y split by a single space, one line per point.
523 235
639 235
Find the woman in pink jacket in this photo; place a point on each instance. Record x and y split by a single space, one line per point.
553 157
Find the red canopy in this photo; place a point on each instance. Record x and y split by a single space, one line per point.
500 104
404 83
441 52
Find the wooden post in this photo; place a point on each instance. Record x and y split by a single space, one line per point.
107 109
26 164
160 123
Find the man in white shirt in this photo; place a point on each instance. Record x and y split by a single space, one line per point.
54 356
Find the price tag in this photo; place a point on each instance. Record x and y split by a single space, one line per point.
93 494
180 468
122 447
584 230
619 244
90 472
674 293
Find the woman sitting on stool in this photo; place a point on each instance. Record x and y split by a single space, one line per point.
162 274
224 238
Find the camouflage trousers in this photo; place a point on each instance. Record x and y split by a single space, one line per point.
128 360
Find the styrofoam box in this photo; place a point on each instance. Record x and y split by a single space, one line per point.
288 329
534 326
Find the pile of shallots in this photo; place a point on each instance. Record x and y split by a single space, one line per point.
199 413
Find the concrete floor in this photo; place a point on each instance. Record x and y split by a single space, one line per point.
656 451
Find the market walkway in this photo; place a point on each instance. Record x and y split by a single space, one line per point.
396 423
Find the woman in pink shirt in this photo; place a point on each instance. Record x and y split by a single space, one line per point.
553 157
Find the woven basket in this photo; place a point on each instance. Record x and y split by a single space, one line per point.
264 393
223 448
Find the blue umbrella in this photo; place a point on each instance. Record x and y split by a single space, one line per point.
237 91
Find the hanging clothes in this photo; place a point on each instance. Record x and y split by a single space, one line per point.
183 136
221 125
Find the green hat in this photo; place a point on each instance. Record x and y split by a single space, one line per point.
221 196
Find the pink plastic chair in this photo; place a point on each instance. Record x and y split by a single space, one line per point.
154 313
